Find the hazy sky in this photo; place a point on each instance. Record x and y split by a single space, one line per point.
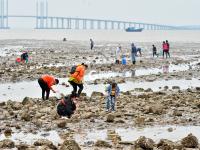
171 12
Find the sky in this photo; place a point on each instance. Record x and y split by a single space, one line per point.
169 12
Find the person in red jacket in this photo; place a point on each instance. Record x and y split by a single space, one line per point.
165 48
46 82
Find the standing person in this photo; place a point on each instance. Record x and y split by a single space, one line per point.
91 44
133 53
154 50
76 78
46 82
113 91
168 47
164 45
117 54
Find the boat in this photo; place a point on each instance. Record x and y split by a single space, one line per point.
133 29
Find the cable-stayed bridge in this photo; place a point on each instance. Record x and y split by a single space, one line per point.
44 21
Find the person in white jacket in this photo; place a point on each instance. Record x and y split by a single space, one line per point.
117 54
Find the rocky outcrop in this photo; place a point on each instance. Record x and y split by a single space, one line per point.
190 141
7 144
70 145
45 142
144 143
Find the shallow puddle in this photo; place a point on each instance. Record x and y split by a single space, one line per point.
131 134
30 138
89 137
141 72
17 91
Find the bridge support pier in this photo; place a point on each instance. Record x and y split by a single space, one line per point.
4 14
84 24
106 25
42 14
118 25
91 24
99 24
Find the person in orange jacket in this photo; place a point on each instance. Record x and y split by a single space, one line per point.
46 82
76 78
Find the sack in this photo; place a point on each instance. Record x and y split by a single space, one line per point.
73 69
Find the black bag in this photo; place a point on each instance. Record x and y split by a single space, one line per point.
73 69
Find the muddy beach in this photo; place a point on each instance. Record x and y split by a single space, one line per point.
158 107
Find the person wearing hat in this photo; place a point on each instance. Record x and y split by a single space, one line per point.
112 91
46 82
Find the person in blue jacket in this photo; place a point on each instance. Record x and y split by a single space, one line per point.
112 91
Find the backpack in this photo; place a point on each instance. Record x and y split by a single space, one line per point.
73 69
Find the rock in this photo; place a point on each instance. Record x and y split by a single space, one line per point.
44 147
175 87
150 79
126 143
2 103
7 144
198 105
177 113
94 94
110 118
45 142
198 88
166 145
70 145
27 101
88 115
166 87
101 143
22 147
127 93
17 126
148 90
120 121
144 143
139 89
8 132
156 109
190 141
17 106
25 116
140 120
83 94
61 123
170 129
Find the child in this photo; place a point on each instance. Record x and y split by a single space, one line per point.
113 92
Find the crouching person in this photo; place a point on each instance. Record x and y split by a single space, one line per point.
112 91
67 106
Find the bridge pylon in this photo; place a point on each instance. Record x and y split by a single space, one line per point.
42 14
4 14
